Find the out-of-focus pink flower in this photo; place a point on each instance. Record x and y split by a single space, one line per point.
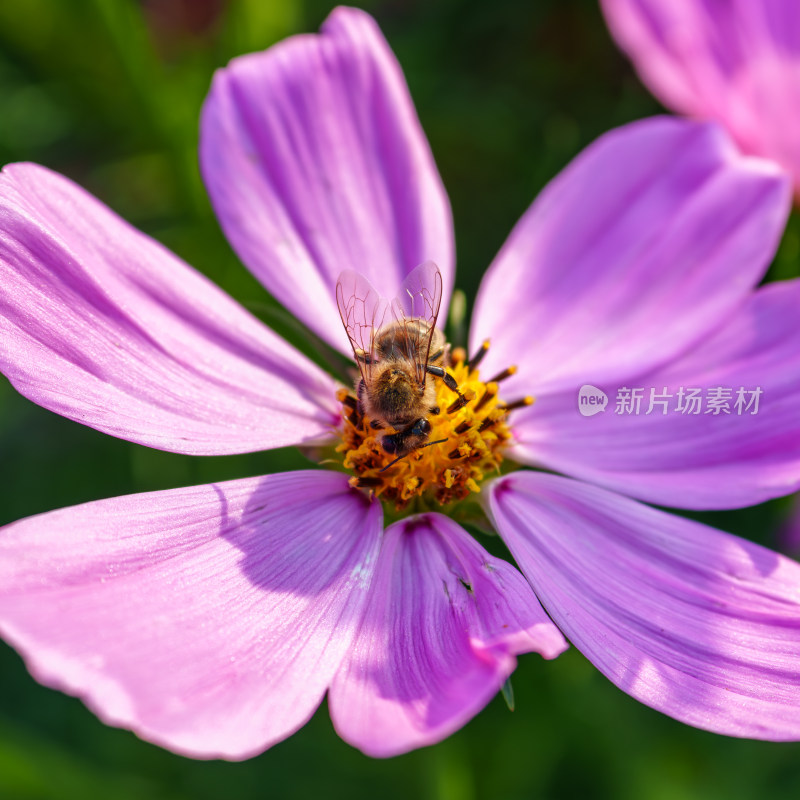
734 61
213 620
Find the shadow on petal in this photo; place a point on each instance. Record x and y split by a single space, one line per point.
209 620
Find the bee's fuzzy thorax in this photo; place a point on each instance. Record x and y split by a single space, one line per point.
394 395
396 399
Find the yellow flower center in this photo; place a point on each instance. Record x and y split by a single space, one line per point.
473 437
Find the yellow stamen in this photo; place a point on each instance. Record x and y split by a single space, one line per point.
474 434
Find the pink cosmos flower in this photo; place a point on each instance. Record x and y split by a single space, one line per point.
212 620
734 61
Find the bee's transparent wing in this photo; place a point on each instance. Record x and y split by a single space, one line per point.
363 311
416 307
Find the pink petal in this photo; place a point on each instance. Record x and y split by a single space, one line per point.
646 242
688 460
696 623
443 622
737 62
316 163
101 324
209 620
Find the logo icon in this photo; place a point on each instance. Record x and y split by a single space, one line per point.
591 400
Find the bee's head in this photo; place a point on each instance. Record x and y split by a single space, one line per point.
407 440
390 444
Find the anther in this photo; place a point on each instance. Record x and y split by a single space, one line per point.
458 356
525 401
367 483
468 406
491 391
501 376
478 357
457 405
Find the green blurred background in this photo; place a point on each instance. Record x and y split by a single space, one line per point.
109 93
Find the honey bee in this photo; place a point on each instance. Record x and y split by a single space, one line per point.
399 352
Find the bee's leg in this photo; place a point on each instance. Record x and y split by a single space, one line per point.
360 389
450 383
449 380
348 401
362 357
357 415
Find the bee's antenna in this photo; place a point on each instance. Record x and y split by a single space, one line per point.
400 458
392 463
